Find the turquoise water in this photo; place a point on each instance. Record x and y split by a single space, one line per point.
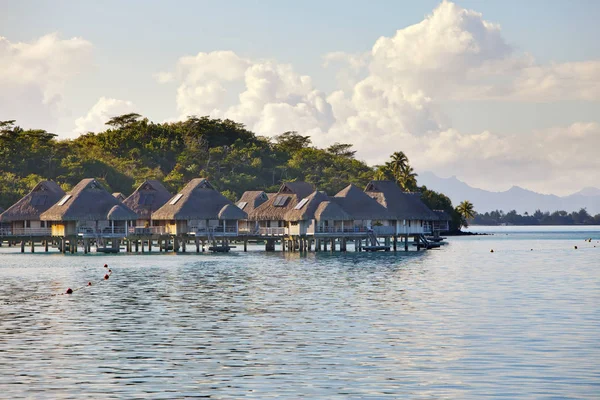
459 322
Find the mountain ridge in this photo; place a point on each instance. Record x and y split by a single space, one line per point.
516 198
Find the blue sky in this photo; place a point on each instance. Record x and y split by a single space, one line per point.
125 44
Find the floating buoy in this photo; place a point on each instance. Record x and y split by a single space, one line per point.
69 291
575 247
531 249
89 283
105 266
492 250
110 270
105 276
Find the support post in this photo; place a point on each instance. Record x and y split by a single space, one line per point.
197 240
32 246
245 245
395 243
46 246
137 245
22 246
406 242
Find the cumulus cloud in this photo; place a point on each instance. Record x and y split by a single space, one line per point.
389 98
33 76
100 113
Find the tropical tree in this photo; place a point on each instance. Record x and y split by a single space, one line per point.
398 163
466 211
407 178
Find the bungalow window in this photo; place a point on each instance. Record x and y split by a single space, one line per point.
27 224
294 223
42 224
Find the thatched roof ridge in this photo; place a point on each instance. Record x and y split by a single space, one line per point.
119 196
331 211
402 205
197 200
360 205
300 189
88 201
253 199
307 211
293 191
31 206
147 198
1 210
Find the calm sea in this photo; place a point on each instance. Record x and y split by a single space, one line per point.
461 322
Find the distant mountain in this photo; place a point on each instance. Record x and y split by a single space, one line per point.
515 198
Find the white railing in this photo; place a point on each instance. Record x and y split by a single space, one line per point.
25 231
147 230
337 229
213 230
85 231
272 231
384 230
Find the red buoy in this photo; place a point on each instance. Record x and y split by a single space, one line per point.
110 270
89 283
69 291
105 266
106 276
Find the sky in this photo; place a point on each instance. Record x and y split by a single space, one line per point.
497 93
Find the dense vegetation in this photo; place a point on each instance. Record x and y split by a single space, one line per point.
581 217
234 159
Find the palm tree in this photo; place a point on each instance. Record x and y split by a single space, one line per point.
399 162
466 212
407 178
381 173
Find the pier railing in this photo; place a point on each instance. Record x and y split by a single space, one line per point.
272 231
148 230
215 230
108 232
25 231
348 230
384 230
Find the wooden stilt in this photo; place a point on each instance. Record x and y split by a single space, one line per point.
395 243
46 246
245 245
406 242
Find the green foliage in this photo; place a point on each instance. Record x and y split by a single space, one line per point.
581 217
466 211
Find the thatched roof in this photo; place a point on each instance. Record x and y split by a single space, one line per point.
252 199
1 210
197 200
305 209
274 209
331 211
30 207
360 205
119 196
400 204
88 201
230 211
147 198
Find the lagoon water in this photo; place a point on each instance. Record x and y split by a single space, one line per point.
459 322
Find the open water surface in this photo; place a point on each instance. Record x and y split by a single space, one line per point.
459 322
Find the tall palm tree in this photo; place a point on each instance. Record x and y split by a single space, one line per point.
466 212
399 161
407 178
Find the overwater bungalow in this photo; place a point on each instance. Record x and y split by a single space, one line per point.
249 201
410 214
23 217
366 212
119 196
146 199
315 215
270 215
89 211
200 210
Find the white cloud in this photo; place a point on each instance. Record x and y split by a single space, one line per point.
33 77
389 99
100 113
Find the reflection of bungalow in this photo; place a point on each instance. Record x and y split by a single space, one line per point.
147 198
249 201
270 215
24 216
410 213
316 214
199 210
366 212
119 196
89 211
